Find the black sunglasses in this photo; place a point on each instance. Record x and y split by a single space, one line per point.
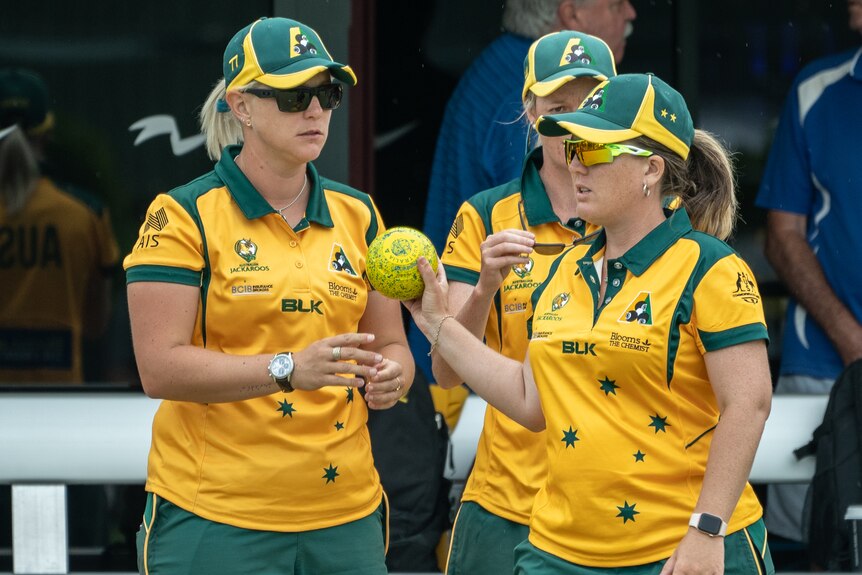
552 249
298 99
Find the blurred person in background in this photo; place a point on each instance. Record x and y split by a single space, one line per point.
57 248
812 187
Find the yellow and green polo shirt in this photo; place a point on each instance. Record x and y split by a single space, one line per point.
510 461
284 462
50 253
627 400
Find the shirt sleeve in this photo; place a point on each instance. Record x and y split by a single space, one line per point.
786 184
463 253
169 247
728 308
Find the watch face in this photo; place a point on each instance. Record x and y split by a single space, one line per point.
281 366
709 524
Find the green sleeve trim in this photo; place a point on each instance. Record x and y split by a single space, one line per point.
459 274
147 273
714 341
701 436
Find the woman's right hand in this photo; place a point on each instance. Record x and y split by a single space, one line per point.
501 251
318 364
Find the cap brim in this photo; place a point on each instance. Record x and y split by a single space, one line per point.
585 126
552 83
291 77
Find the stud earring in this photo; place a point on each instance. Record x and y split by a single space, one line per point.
248 123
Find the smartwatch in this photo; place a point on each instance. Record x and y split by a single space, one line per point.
280 369
712 525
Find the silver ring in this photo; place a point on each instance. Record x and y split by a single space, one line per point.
336 353
398 379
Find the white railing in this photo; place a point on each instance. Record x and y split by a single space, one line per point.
52 439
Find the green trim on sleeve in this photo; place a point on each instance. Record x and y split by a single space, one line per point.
150 273
714 341
459 274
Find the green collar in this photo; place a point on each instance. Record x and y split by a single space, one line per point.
253 205
639 258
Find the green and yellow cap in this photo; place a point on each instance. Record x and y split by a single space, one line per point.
626 107
560 57
280 53
24 101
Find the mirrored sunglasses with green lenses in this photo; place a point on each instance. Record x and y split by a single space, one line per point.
298 99
591 153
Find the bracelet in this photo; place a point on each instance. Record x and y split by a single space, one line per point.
437 335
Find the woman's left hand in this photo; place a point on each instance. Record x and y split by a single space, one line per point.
697 553
387 387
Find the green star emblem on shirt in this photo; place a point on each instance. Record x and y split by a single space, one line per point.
639 456
286 408
660 423
627 512
338 426
609 386
349 395
330 473
570 437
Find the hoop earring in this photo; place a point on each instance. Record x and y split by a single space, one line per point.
646 190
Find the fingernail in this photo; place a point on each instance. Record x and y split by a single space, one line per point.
378 358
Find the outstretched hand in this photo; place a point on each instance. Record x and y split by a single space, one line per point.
433 305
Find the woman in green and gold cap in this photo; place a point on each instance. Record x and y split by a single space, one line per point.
258 346
647 365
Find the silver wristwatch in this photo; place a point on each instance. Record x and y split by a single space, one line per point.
281 369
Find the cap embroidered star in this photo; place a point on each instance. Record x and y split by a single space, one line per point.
623 108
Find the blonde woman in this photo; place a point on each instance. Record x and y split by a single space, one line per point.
261 460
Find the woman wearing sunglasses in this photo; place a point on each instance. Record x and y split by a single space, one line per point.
647 360
252 321
490 292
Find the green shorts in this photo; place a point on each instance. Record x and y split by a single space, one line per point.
483 543
745 553
171 540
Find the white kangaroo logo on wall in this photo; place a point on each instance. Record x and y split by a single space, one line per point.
163 124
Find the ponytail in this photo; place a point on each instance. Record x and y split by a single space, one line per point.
19 171
218 123
705 183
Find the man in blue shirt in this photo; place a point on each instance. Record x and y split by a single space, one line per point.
812 188
484 138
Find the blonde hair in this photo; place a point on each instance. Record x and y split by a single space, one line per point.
220 128
705 183
19 171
